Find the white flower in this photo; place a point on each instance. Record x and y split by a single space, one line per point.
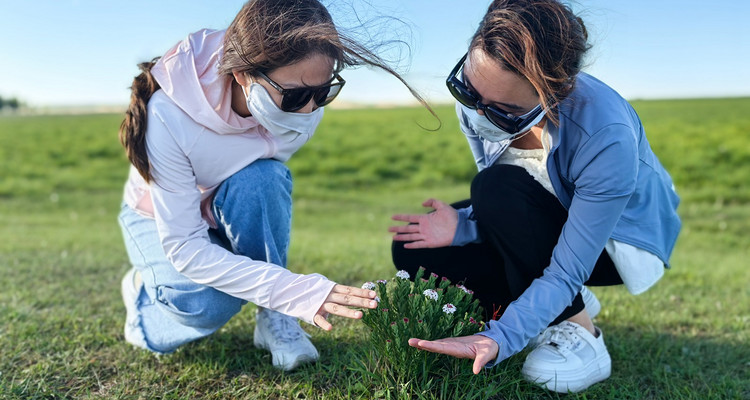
383 281
368 286
431 294
377 298
449 308
462 287
402 274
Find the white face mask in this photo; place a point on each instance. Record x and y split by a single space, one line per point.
488 131
491 133
280 123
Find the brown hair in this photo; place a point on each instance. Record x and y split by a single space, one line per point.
541 40
133 127
265 35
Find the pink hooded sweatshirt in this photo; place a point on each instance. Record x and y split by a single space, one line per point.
194 142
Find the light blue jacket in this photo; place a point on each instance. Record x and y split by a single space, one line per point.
613 186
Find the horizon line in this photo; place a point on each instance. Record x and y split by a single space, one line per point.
109 108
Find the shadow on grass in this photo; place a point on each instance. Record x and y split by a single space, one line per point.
90 359
345 369
646 364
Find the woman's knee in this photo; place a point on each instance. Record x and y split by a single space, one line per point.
264 180
200 307
500 189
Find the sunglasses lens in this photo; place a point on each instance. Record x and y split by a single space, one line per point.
326 95
462 94
512 124
294 99
501 120
321 95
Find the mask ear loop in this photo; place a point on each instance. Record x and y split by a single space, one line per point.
247 92
505 143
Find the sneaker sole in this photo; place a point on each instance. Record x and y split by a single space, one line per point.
573 382
276 361
303 359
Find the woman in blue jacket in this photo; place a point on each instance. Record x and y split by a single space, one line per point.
569 193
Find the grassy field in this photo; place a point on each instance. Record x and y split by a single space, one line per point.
61 259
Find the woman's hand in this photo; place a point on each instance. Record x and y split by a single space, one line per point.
435 229
338 303
477 347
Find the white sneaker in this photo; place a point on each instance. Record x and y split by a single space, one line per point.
593 307
570 360
284 338
130 291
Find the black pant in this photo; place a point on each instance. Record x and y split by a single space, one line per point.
520 223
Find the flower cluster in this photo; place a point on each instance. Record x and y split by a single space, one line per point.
462 287
431 294
427 309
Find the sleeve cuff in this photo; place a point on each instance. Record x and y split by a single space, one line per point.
498 358
466 229
300 295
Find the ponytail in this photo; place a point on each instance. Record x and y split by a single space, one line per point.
133 127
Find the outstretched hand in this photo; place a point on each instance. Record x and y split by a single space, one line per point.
338 302
435 229
477 347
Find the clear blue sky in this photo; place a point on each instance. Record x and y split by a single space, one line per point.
83 52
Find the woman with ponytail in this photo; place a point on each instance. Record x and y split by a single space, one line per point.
569 193
207 211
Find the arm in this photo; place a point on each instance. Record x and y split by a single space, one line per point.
184 237
598 202
604 173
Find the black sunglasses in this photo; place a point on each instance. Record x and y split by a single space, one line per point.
500 118
296 98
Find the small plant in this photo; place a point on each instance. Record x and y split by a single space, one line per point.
427 309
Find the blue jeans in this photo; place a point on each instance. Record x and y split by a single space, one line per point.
253 210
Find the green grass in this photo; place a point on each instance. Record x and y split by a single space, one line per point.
61 259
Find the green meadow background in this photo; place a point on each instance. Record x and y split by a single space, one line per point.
61 260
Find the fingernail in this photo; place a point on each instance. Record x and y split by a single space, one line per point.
373 304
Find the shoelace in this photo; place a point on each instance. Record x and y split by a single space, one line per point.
543 337
284 329
562 336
